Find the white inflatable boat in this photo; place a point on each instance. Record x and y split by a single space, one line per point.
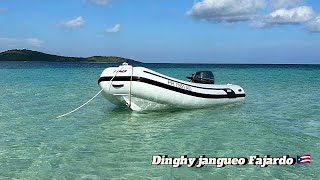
140 89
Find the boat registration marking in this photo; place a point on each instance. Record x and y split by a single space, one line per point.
179 85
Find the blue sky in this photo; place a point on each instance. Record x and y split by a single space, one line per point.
188 31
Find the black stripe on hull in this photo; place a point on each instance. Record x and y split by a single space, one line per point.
173 88
181 82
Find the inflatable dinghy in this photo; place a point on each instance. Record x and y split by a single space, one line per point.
140 89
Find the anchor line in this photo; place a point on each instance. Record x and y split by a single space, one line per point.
130 87
80 106
76 109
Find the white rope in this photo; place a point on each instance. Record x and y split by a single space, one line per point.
81 105
111 80
94 96
130 86
89 99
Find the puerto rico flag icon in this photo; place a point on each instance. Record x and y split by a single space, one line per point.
304 158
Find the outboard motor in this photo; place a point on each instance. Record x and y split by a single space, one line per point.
204 77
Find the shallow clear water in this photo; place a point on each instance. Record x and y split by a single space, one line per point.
280 116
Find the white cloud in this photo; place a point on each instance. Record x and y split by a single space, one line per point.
2 10
99 2
20 42
35 42
259 13
225 10
74 23
314 25
278 4
294 15
114 29
283 16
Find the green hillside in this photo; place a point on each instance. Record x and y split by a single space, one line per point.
29 55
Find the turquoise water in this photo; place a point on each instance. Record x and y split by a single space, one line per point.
280 116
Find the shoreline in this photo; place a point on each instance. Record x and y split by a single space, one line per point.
178 63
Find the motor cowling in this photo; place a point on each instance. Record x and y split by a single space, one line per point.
204 77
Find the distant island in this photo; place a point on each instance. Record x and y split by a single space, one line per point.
29 55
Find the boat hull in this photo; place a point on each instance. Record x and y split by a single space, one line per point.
143 89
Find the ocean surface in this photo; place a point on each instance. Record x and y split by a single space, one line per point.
280 116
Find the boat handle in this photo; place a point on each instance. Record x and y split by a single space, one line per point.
117 85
